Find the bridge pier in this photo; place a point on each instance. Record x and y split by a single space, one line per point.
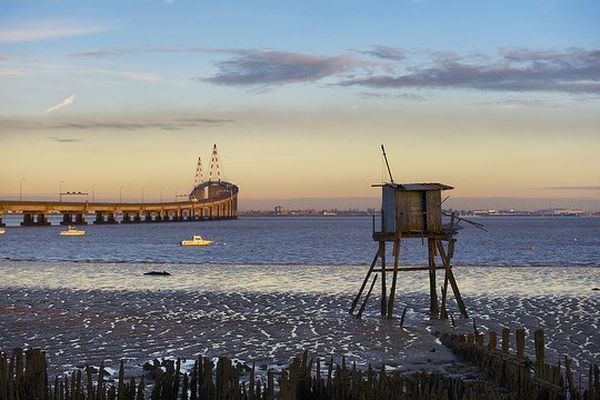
35 219
148 216
125 218
105 218
2 224
68 219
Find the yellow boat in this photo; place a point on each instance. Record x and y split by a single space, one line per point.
196 241
72 231
2 230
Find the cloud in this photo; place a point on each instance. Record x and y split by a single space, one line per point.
387 95
387 53
127 50
124 125
574 71
68 101
573 188
49 29
63 140
269 67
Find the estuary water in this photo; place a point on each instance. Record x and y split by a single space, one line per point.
269 288
510 241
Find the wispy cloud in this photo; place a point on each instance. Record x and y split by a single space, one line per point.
48 29
521 70
574 70
63 140
387 53
131 124
576 188
259 67
66 102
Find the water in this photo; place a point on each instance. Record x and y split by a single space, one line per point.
308 241
271 287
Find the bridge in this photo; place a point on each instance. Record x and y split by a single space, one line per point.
213 199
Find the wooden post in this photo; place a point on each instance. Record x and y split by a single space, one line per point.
520 334
446 262
493 341
364 304
357 298
383 287
433 301
505 340
538 338
390 306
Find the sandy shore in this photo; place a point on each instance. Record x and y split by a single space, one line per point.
281 312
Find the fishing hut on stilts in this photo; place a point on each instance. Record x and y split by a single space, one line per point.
413 211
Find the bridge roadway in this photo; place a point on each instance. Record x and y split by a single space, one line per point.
221 203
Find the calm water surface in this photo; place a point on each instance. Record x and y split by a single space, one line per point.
307 241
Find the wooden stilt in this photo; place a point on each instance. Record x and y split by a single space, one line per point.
444 288
362 288
390 305
364 304
446 262
433 301
383 272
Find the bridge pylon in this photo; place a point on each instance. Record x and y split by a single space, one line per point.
215 166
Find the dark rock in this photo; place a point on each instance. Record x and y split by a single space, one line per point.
595 288
157 273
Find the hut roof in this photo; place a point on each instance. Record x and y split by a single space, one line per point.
415 187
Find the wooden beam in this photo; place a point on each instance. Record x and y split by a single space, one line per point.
411 269
355 302
364 304
446 261
433 301
390 306
383 272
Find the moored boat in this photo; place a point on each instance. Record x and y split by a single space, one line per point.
196 241
72 231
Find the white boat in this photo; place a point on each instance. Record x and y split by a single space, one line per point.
196 241
72 231
2 230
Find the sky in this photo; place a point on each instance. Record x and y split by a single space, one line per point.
500 99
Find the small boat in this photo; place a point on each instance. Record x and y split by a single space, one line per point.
196 241
72 231
2 230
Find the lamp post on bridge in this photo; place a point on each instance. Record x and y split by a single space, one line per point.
120 194
21 189
143 188
60 191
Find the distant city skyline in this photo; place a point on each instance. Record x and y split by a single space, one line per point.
498 99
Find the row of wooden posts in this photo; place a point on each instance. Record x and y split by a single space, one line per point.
23 376
516 373
302 380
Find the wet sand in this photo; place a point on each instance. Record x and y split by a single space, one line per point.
268 314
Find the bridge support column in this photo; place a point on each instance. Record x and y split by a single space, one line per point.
110 218
178 216
99 219
67 219
137 218
165 216
35 219
148 217
126 218
80 219
1 222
